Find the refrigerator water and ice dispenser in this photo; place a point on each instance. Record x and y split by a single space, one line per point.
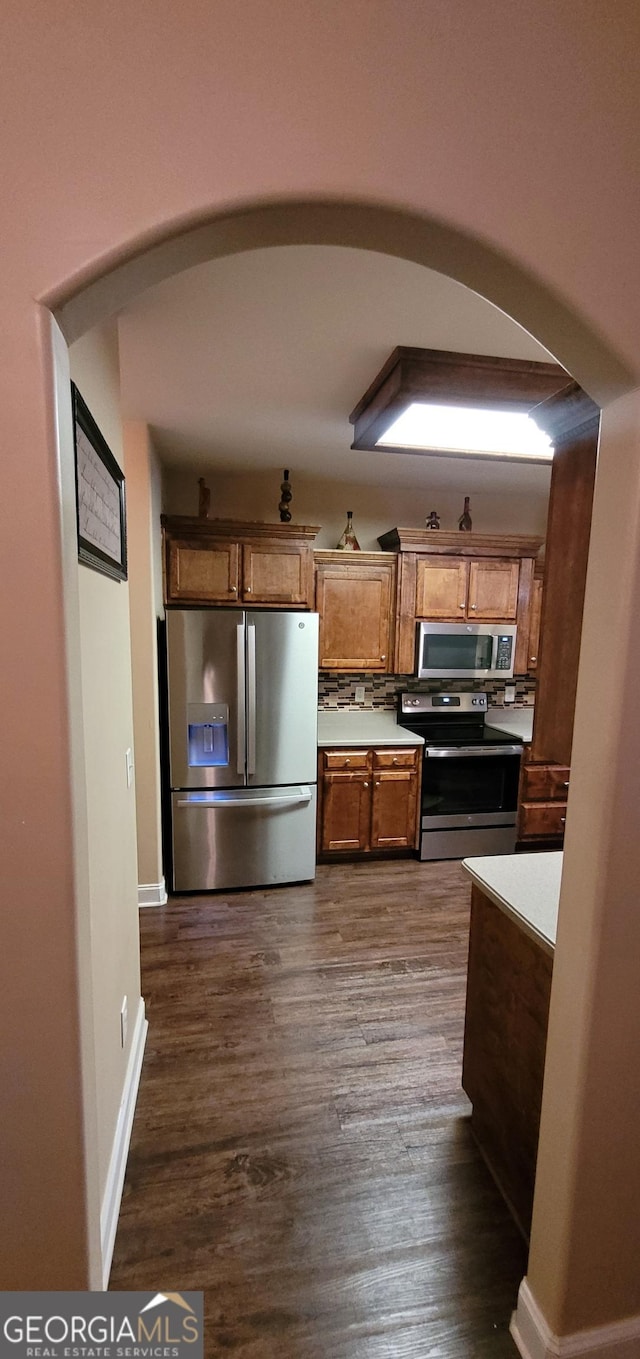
208 735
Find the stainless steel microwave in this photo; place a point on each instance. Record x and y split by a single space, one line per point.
465 650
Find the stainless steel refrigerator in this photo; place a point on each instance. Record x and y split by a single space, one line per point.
242 706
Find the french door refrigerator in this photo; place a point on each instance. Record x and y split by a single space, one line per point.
242 705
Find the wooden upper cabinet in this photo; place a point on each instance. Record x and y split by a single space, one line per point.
442 585
483 589
493 590
277 573
534 624
217 561
356 601
202 573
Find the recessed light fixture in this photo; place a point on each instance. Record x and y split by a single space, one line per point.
459 405
465 429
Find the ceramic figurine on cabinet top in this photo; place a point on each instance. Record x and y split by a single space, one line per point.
204 499
286 495
348 541
433 520
464 522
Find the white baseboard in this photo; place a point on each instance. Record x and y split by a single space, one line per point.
118 1161
152 893
534 1339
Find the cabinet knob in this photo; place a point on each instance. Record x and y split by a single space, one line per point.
562 820
532 659
395 759
462 606
383 658
248 590
566 783
347 761
378 783
474 606
365 785
234 589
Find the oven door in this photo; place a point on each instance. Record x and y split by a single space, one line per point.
470 785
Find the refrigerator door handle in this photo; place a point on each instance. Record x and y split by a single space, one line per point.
223 800
242 721
251 698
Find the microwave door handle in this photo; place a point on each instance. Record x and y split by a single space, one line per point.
240 698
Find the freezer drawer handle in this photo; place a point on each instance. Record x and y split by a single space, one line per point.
288 800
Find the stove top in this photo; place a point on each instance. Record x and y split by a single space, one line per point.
450 719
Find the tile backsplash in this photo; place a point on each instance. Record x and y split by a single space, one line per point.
381 691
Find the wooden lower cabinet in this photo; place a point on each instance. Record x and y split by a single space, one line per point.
368 800
542 810
505 1041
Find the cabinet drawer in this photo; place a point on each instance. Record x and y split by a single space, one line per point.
395 759
545 782
542 818
347 759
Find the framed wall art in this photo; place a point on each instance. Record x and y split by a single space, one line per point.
100 502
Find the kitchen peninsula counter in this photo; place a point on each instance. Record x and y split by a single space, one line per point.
514 906
370 727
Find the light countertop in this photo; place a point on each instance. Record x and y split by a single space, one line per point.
526 887
362 727
513 721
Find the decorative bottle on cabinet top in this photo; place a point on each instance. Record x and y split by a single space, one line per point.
348 541
464 522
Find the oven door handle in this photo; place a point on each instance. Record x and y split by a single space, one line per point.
476 752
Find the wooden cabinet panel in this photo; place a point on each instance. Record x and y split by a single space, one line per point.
542 818
545 782
202 572
393 809
505 1039
360 812
441 588
356 623
388 758
493 590
534 626
346 759
346 810
277 574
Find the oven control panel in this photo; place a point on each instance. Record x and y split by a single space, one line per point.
444 702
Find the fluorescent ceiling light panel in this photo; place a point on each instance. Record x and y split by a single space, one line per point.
465 429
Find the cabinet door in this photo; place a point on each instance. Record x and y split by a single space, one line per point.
202 573
534 625
275 573
346 812
354 603
493 590
441 588
394 808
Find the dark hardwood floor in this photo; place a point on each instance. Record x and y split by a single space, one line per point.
301 1148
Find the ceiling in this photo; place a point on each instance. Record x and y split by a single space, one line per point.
254 361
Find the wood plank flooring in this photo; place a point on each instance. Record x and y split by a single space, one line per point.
301 1148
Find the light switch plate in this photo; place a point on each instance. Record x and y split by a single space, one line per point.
359 693
509 693
129 761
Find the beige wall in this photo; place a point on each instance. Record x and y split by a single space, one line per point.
108 733
500 148
376 508
146 606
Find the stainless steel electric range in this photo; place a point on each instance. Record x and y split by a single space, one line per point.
469 777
